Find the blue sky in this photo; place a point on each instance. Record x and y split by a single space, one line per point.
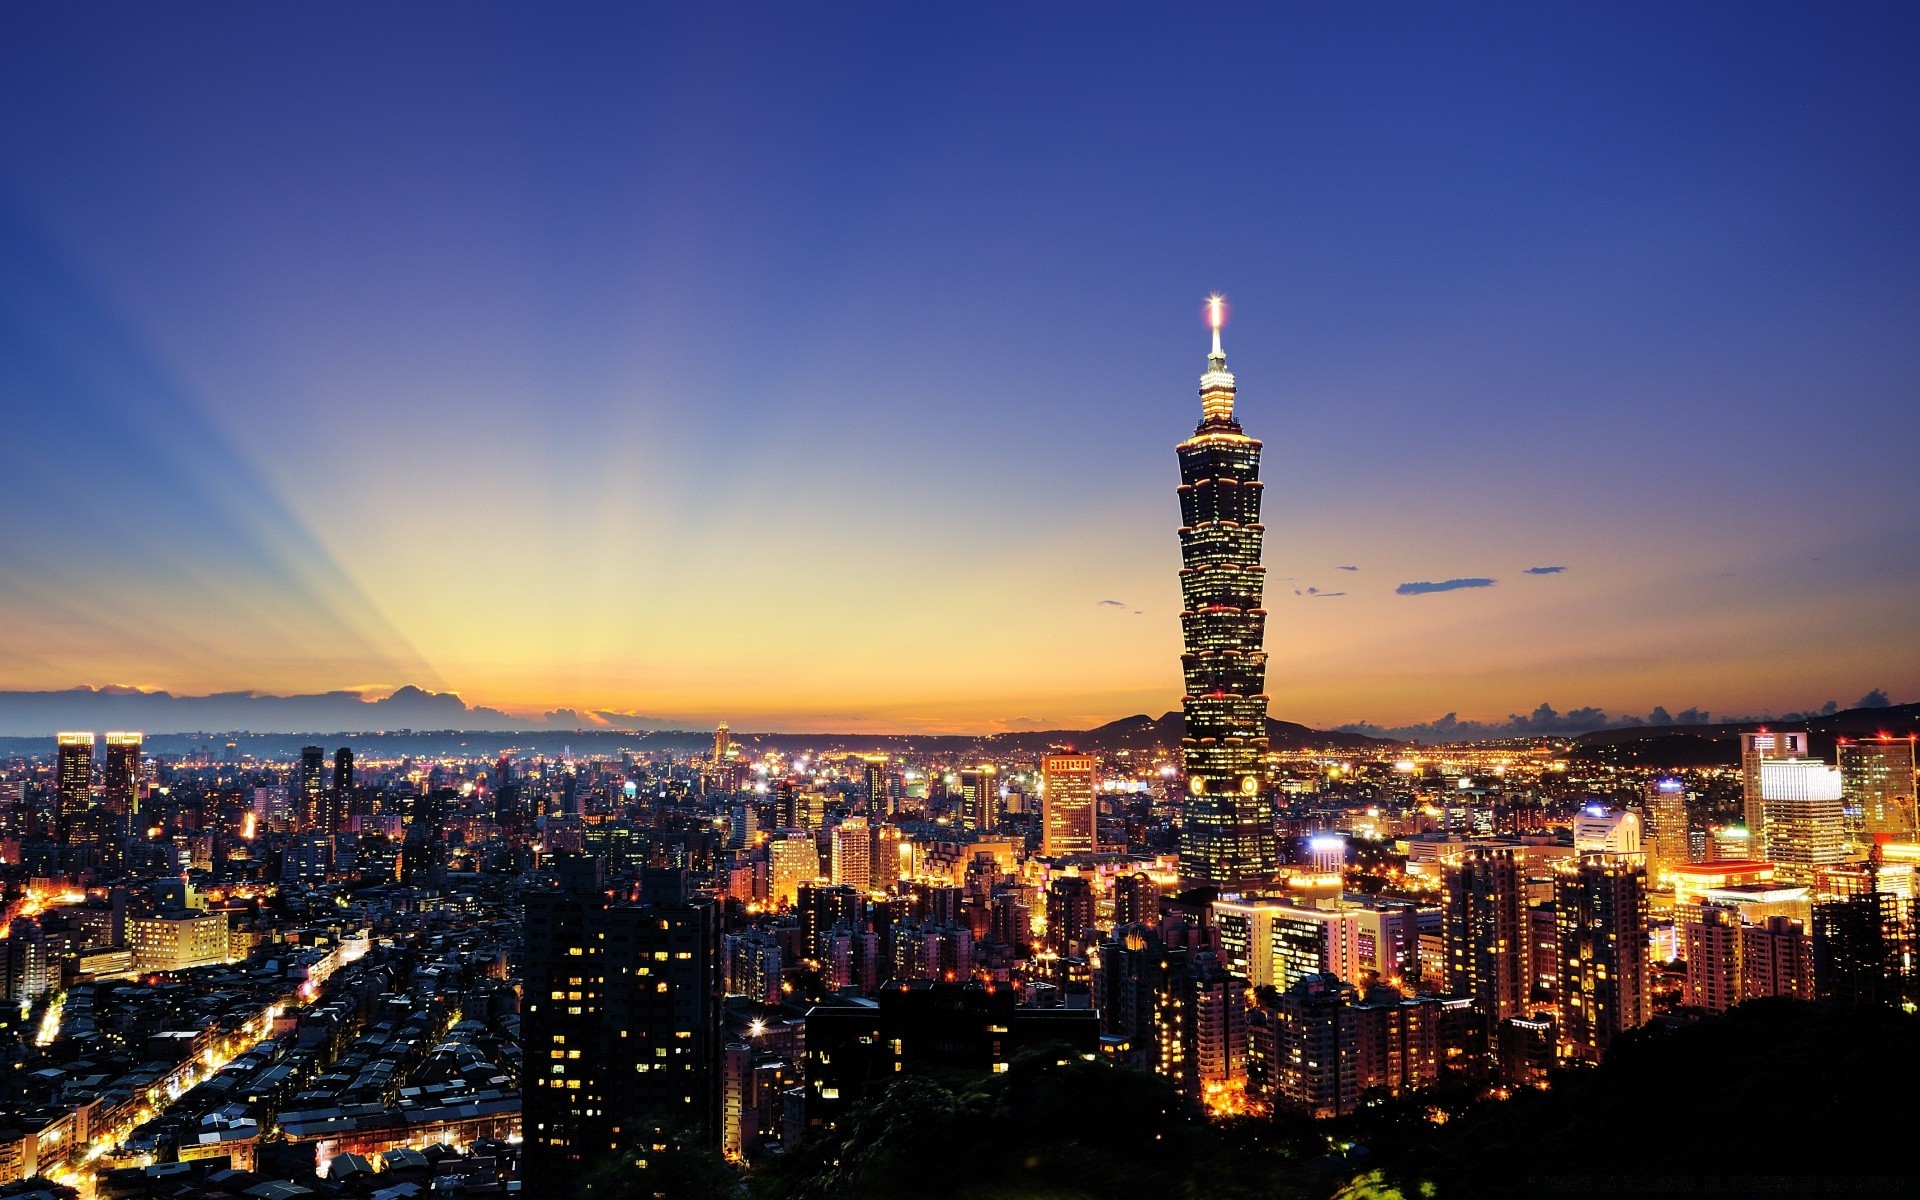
816 365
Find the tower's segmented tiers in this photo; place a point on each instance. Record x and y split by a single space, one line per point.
1227 831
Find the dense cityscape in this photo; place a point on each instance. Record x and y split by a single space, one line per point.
684 964
878 601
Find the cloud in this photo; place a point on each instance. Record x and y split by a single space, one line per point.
1542 721
1327 595
1545 570
1112 604
1445 585
1349 568
1877 698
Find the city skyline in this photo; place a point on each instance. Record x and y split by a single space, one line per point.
531 396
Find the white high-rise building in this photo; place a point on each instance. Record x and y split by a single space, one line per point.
1600 830
1804 820
1757 748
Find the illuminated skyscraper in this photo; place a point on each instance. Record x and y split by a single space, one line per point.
721 742
878 801
309 785
980 798
122 776
341 799
1756 748
74 785
1876 780
1800 803
1067 809
1668 835
1227 835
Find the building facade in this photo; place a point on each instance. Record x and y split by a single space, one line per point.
1068 812
1227 833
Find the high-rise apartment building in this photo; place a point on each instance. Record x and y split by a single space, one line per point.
1713 960
1067 807
1600 904
1802 815
1877 782
620 1020
73 786
1227 833
853 854
1277 943
1776 959
1756 748
1484 927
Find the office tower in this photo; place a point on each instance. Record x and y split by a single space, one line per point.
121 794
1068 812
1877 782
309 791
1801 811
1776 959
620 1023
853 854
879 802
1600 830
1483 925
791 861
1668 838
1713 960
1226 829
722 742
980 798
340 801
1600 903
1327 853
786 803
1756 748
73 784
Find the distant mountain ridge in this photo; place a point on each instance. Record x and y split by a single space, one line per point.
1718 744
1142 732
417 722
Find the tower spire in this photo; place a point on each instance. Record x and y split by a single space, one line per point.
1216 386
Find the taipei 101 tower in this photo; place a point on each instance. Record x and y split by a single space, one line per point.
1226 830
